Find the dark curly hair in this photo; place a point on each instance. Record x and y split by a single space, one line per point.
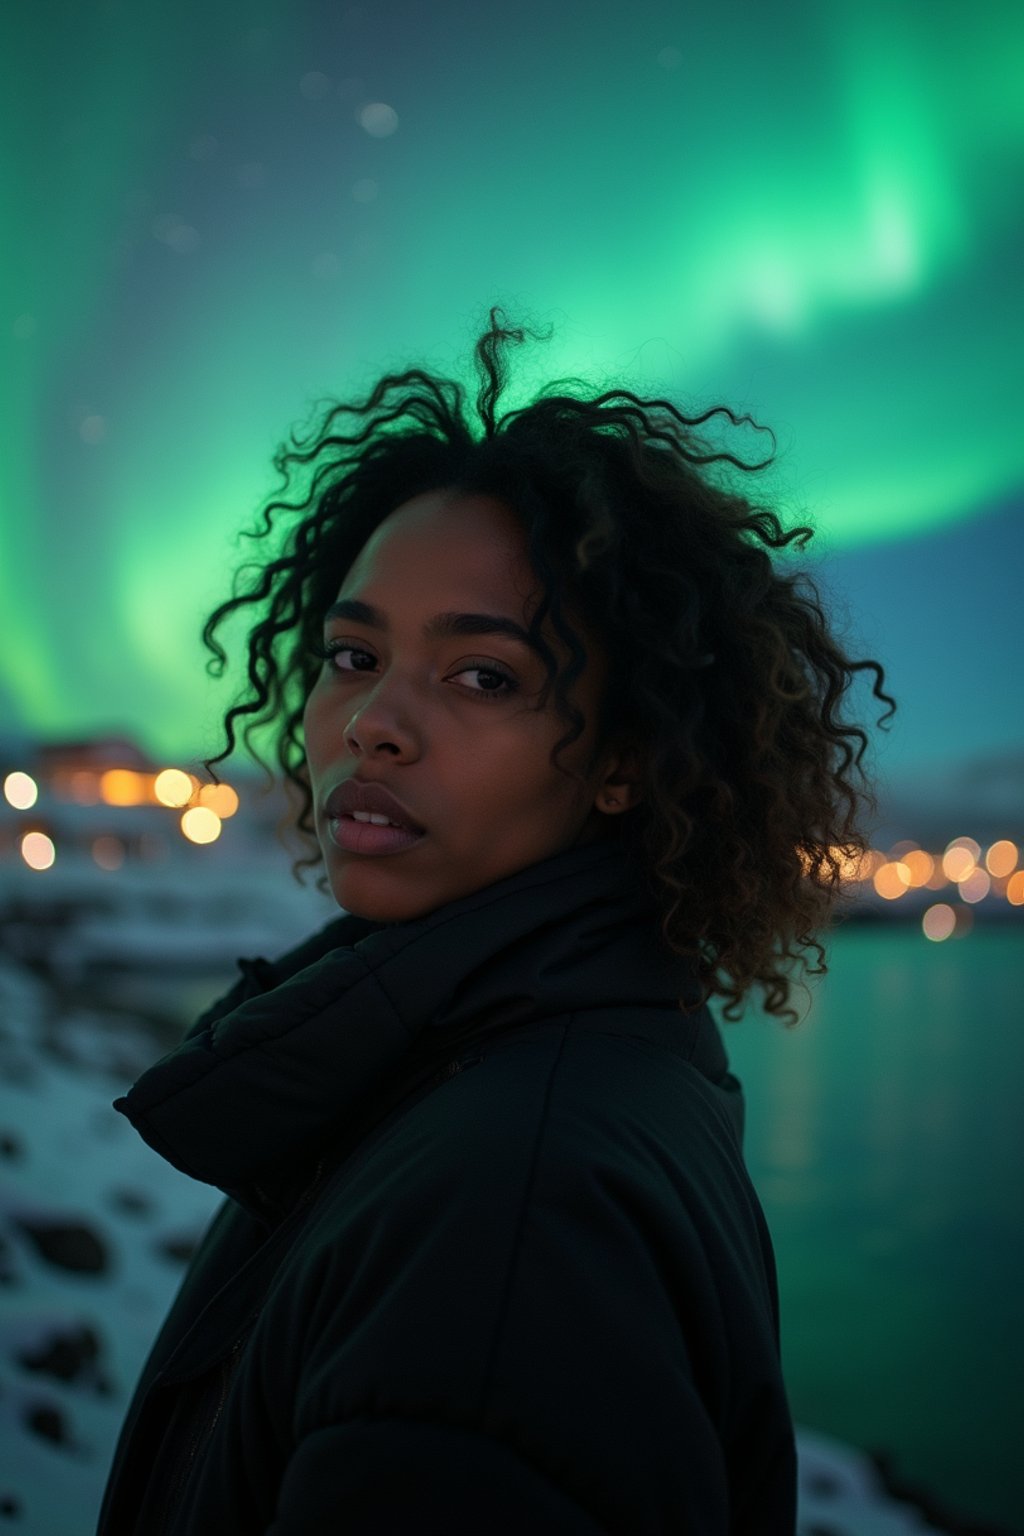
722 670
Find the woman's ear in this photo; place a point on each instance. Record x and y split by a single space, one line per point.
621 786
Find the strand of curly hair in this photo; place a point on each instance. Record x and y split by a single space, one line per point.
723 670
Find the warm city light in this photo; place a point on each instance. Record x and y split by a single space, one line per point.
863 868
891 880
220 798
938 922
201 825
1001 858
173 787
20 791
921 866
976 887
37 850
122 786
975 874
958 861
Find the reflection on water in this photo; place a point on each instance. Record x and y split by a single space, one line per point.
884 1134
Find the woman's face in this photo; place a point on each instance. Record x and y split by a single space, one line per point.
449 724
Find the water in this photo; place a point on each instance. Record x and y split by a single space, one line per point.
884 1135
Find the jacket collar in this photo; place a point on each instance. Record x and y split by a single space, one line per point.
259 1089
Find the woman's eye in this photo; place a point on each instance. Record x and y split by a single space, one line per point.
498 684
330 651
510 685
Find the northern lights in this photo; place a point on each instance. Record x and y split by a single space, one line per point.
218 216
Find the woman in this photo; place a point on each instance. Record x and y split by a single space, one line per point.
572 751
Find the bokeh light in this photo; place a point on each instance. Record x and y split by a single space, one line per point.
123 786
892 879
37 850
861 867
200 824
936 881
21 791
976 886
938 922
173 787
920 866
378 119
1001 858
958 861
1015 889
220 798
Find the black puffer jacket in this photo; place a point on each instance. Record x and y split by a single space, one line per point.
490 1261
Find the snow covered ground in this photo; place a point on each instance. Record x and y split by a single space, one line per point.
95 1231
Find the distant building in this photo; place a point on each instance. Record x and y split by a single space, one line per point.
99 752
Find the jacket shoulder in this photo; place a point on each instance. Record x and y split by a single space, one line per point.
607 1135
582 1096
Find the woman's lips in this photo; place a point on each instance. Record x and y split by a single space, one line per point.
369 837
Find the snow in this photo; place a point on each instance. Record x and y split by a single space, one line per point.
69 1159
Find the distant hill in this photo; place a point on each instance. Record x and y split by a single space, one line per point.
942 613
982 798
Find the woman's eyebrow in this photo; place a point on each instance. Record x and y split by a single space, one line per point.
443 626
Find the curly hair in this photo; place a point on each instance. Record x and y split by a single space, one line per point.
723 673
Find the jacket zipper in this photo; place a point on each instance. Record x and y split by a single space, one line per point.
453 1067
184 1468
227 1366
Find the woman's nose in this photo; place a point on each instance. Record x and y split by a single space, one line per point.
383 721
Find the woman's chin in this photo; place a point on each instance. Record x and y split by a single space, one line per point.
356 896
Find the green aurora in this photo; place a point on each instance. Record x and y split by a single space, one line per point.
217 217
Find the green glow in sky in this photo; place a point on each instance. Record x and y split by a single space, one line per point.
810 213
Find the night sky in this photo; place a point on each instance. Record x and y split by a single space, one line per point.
219 215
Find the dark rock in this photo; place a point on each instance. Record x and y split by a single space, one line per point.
10 1506
69 1354
177 1249
8 1272
48 1423
67 1244
11 1145
131 1202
